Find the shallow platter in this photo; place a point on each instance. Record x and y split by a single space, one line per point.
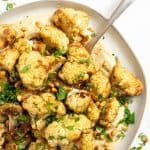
113 41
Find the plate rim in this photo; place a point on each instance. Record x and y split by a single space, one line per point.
120 36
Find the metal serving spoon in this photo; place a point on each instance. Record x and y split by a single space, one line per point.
123 5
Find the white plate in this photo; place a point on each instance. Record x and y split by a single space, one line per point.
112 41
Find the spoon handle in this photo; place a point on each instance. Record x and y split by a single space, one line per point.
123 5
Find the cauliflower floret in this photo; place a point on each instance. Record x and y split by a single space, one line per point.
87 141
100 84
54 37
78 53
93 112
8 58
125 81
7 36
109 112
78 101
73 73
33 69
22 45
39 144
71 21
43 105
67 129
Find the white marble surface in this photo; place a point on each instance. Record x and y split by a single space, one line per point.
134 25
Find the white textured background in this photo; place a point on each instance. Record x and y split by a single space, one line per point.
134 25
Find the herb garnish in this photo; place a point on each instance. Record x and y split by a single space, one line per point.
143 140
51 137
22 119
84 61
10 6
70 127
25 68
129 118
8 94
59 53
61 94
51 76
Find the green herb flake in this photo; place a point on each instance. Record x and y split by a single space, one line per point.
8 93
51 76
51 137
49 105
38 146
10 6
129 118
61 137
61 94
121 135
50 119
70 127
22 119
77 119
19 133
143 140
59 53
84 61
20 143
25 68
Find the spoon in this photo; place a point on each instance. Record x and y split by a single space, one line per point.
123 5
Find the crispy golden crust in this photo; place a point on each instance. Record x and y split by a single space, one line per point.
128 83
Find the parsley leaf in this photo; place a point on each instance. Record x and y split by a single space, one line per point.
25 68
22 119
70 127
61 94
8 94
59 53
51 137
129 118
51 76
84 61
9 6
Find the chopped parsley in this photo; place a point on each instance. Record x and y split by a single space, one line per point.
10 6
51 76
25 68
59 53
22 119
129 117
143 140
70 127
61 137
19 133
51 137
38 146
61 94
8 94
84 61
20 143
121 135
49 105
76 119
50 119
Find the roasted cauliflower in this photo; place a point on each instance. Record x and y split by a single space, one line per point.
100 84
71 21
54 37
8 58
124 80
